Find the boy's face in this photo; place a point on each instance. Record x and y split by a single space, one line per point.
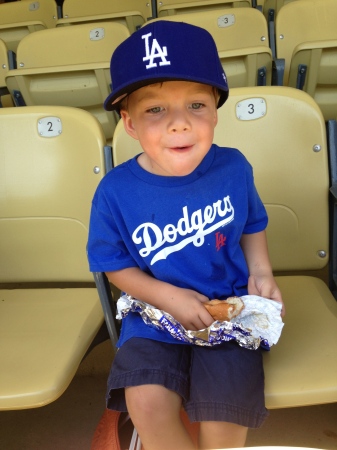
174 122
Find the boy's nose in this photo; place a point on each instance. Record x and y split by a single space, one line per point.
179 122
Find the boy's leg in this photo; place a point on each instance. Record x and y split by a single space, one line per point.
226 394
221 435
155 413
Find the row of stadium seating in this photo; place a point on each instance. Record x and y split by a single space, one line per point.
304 56
22 17
53 13
52 159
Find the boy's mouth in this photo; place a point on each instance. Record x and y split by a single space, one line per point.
182 148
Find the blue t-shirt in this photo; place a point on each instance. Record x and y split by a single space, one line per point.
182 230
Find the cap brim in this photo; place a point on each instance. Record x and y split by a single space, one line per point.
112 102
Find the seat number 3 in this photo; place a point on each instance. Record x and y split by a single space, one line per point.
251 109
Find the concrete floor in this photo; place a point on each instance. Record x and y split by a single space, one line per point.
69 422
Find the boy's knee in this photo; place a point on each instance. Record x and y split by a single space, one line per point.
152 400
222 435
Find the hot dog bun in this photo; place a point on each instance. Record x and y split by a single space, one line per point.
224 310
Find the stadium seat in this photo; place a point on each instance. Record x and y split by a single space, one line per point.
79 76
132 13
171 7
241 37
282 132
270 9
17 19
52 159
5 97
4 64
274 6
307 42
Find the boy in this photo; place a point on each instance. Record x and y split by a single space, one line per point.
153 231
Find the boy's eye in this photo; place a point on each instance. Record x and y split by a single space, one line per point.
154 110
197 105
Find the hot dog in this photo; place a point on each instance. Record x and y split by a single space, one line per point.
224 310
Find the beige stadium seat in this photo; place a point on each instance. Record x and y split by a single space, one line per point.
132 13
172 7
274 6
306 38
270 9
70 66
5 97
4 64
17 19
241 37
282 133
52 159
313 68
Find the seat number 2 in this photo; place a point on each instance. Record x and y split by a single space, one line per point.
49 126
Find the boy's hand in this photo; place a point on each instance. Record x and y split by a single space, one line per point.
265 286
185 305
187 308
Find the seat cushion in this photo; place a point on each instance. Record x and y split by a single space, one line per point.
44 334
302 368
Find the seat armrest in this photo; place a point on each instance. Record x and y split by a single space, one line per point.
278 71
108 305
271 31
154 9
333 191
331 127
333 241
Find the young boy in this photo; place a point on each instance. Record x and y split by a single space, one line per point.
154 231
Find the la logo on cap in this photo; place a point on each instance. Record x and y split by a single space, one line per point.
155 52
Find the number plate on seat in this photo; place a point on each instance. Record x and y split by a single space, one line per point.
226 20
251 109
49 126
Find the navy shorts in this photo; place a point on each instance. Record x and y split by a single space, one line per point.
220 383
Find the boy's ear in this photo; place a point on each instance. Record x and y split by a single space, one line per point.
216 118
128 124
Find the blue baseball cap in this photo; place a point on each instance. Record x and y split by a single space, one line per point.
165 51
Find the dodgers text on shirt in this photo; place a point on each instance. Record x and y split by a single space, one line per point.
194 226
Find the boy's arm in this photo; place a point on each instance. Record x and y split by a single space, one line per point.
261 280
185 305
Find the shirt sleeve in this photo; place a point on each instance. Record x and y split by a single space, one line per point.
257 219
106 248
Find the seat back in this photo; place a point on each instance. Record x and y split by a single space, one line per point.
241 37
17 19
282 133
274 5
132 13
5 97
51 162
4 65
313 68
299 23
172 7
78 77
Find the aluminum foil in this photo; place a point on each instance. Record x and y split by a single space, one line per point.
258 324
